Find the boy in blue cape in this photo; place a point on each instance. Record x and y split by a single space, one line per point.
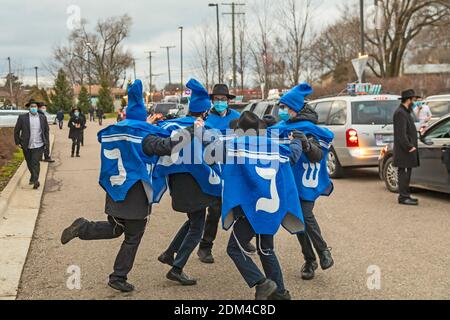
258 184
219 118
129 189
310 172
188 184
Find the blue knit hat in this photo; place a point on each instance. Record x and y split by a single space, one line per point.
295 98
136 109
200 101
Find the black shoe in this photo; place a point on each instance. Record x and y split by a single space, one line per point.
49 160
78 156
286 295
166 258
326 260
250 248
73 155
36 185
415 200
265 290
308 270
31 182
205 256
181 278
121 285
71 232
408 202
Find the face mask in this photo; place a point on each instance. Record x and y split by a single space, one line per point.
33 110
77 114
417 104
284 114
220 106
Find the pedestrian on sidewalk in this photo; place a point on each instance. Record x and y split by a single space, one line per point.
406 156
42 109
423 113
297 115
31 134
60 118
127 205
76 125
190 193
91 113
219 118
100 115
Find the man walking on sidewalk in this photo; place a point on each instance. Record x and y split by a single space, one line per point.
31 134
42 108
406 156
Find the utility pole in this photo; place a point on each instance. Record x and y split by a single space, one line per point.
37 77
361 10
10 80
168 60
134 68
233 26
150 56
219 61
181 45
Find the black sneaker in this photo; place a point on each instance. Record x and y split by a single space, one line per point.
71 232
308 270
181 278
121 285
326 260
36 185
205 256
166 258
265 290
277 296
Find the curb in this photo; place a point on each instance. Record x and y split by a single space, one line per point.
17 224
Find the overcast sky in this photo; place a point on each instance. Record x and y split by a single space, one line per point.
31 29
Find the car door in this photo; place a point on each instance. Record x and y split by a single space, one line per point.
434 154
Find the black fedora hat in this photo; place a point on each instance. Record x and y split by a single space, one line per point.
221 90
30 102
250 121
408 94
42 104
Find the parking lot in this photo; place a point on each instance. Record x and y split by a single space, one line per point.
401 252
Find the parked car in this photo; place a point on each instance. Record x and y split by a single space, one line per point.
439 106
8 118
51 118
362 126
434 153
263 108
166 109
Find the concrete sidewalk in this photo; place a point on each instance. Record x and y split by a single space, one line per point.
17 223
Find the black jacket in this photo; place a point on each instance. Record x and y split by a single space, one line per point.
405 138
313 150
134 207
22 131
76 133
186 193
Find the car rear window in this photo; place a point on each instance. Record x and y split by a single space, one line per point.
439 108
374 112
164 108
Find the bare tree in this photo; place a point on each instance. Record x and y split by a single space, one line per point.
404 21
294 17
108 58
205 55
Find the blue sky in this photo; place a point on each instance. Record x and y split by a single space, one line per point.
30 30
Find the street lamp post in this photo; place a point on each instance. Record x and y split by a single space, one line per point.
181 45
168 61
37 77
219 63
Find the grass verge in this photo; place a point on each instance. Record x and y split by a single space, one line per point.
9 169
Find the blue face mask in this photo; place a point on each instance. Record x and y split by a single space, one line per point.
220 106
33 110
77 114
284 114
417 104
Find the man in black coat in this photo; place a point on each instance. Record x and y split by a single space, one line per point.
406 155
31 134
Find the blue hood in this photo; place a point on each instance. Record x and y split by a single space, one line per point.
295 99
200 100
136 109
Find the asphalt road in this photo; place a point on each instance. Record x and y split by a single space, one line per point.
407 247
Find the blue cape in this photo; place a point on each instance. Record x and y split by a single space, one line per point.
190 160
123 162
312 179
258 177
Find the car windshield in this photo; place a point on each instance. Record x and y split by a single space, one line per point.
439 108
374 112
164 108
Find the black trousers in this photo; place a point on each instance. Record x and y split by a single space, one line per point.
312 237
60 124
404 179
187 238
76 142
243 233
100 120
211 227
112 229
33 158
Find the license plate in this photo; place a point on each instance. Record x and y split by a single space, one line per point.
382 140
